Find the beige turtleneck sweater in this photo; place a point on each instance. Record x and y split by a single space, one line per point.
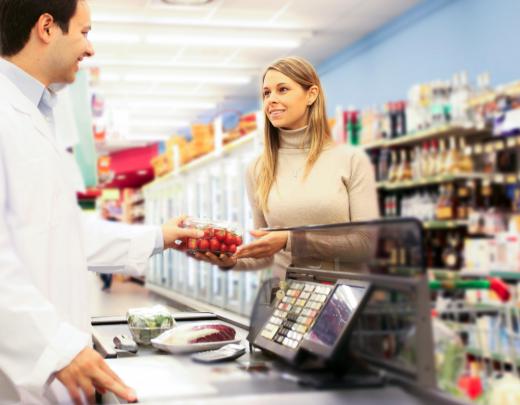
339 188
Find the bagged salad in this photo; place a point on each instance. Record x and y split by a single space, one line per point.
149 322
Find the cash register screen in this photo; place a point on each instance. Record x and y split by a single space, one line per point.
336 315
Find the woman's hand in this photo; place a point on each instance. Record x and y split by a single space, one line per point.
267 244
172 233
224 262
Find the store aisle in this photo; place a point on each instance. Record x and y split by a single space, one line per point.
122 295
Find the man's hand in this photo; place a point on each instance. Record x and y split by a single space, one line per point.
88 372
267 244
172 232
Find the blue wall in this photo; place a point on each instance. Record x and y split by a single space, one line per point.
431 41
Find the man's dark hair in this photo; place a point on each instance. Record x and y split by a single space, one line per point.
18 17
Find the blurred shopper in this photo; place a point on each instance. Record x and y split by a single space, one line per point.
301 177
45 352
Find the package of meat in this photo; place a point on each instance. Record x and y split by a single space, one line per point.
192 338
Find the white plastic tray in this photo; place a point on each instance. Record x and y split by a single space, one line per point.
159 343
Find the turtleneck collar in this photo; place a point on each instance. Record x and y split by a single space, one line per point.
294 138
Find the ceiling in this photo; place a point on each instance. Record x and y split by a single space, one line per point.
162 67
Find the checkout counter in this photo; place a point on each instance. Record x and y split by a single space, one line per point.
350 324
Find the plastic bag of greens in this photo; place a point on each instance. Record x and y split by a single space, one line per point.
149 322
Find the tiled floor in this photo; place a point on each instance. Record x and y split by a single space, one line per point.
122 295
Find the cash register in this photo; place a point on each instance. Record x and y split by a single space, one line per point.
355 298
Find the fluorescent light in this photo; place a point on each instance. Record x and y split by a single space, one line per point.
177 78
196 22
195 105
155 92
114 38
94 62
215 41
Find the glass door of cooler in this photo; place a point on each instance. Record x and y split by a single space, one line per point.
190 266
251 279
157 259
233 212
202 270
185 194
150 204
217 212
169 254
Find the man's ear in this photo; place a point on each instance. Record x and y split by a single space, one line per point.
44 27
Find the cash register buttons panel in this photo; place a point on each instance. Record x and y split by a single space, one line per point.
295 313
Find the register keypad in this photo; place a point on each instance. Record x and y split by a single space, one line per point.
295 313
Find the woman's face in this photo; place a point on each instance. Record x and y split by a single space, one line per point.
285 101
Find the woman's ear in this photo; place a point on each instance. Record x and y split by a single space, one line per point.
312 95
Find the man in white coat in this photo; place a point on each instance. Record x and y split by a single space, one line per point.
45 338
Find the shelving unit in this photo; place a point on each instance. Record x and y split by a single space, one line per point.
433 133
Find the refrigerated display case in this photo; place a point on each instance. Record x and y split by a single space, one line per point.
210 187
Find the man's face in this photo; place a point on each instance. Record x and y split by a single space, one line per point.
69 49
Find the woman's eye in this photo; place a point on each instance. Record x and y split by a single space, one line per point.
283 89
266 93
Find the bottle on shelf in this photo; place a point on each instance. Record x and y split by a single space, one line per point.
394 165
452 159
463 197
452 252
465 161
446 206
440 159
404 171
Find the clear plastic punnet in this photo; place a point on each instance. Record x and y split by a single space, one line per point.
149 322
219 236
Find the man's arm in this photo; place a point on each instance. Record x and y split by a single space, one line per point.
123 248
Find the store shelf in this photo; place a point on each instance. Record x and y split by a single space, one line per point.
207 158
505 275
115 145
439 132
430 181
438 224
491 356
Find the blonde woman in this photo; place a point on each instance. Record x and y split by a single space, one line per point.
302 177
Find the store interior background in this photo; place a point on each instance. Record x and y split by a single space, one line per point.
134 179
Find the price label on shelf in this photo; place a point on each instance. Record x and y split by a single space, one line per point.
489 148
499 145
478 148
511 179
511 142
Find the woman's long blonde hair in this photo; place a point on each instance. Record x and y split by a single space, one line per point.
303 73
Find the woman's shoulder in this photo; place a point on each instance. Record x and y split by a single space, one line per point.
345 151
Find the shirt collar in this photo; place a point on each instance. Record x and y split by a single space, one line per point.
41 97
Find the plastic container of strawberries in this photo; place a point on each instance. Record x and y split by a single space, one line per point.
219 236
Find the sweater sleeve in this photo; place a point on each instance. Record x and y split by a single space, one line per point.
352 246
258 222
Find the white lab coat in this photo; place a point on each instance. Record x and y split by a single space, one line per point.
43 295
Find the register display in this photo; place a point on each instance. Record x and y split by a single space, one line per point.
336 315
